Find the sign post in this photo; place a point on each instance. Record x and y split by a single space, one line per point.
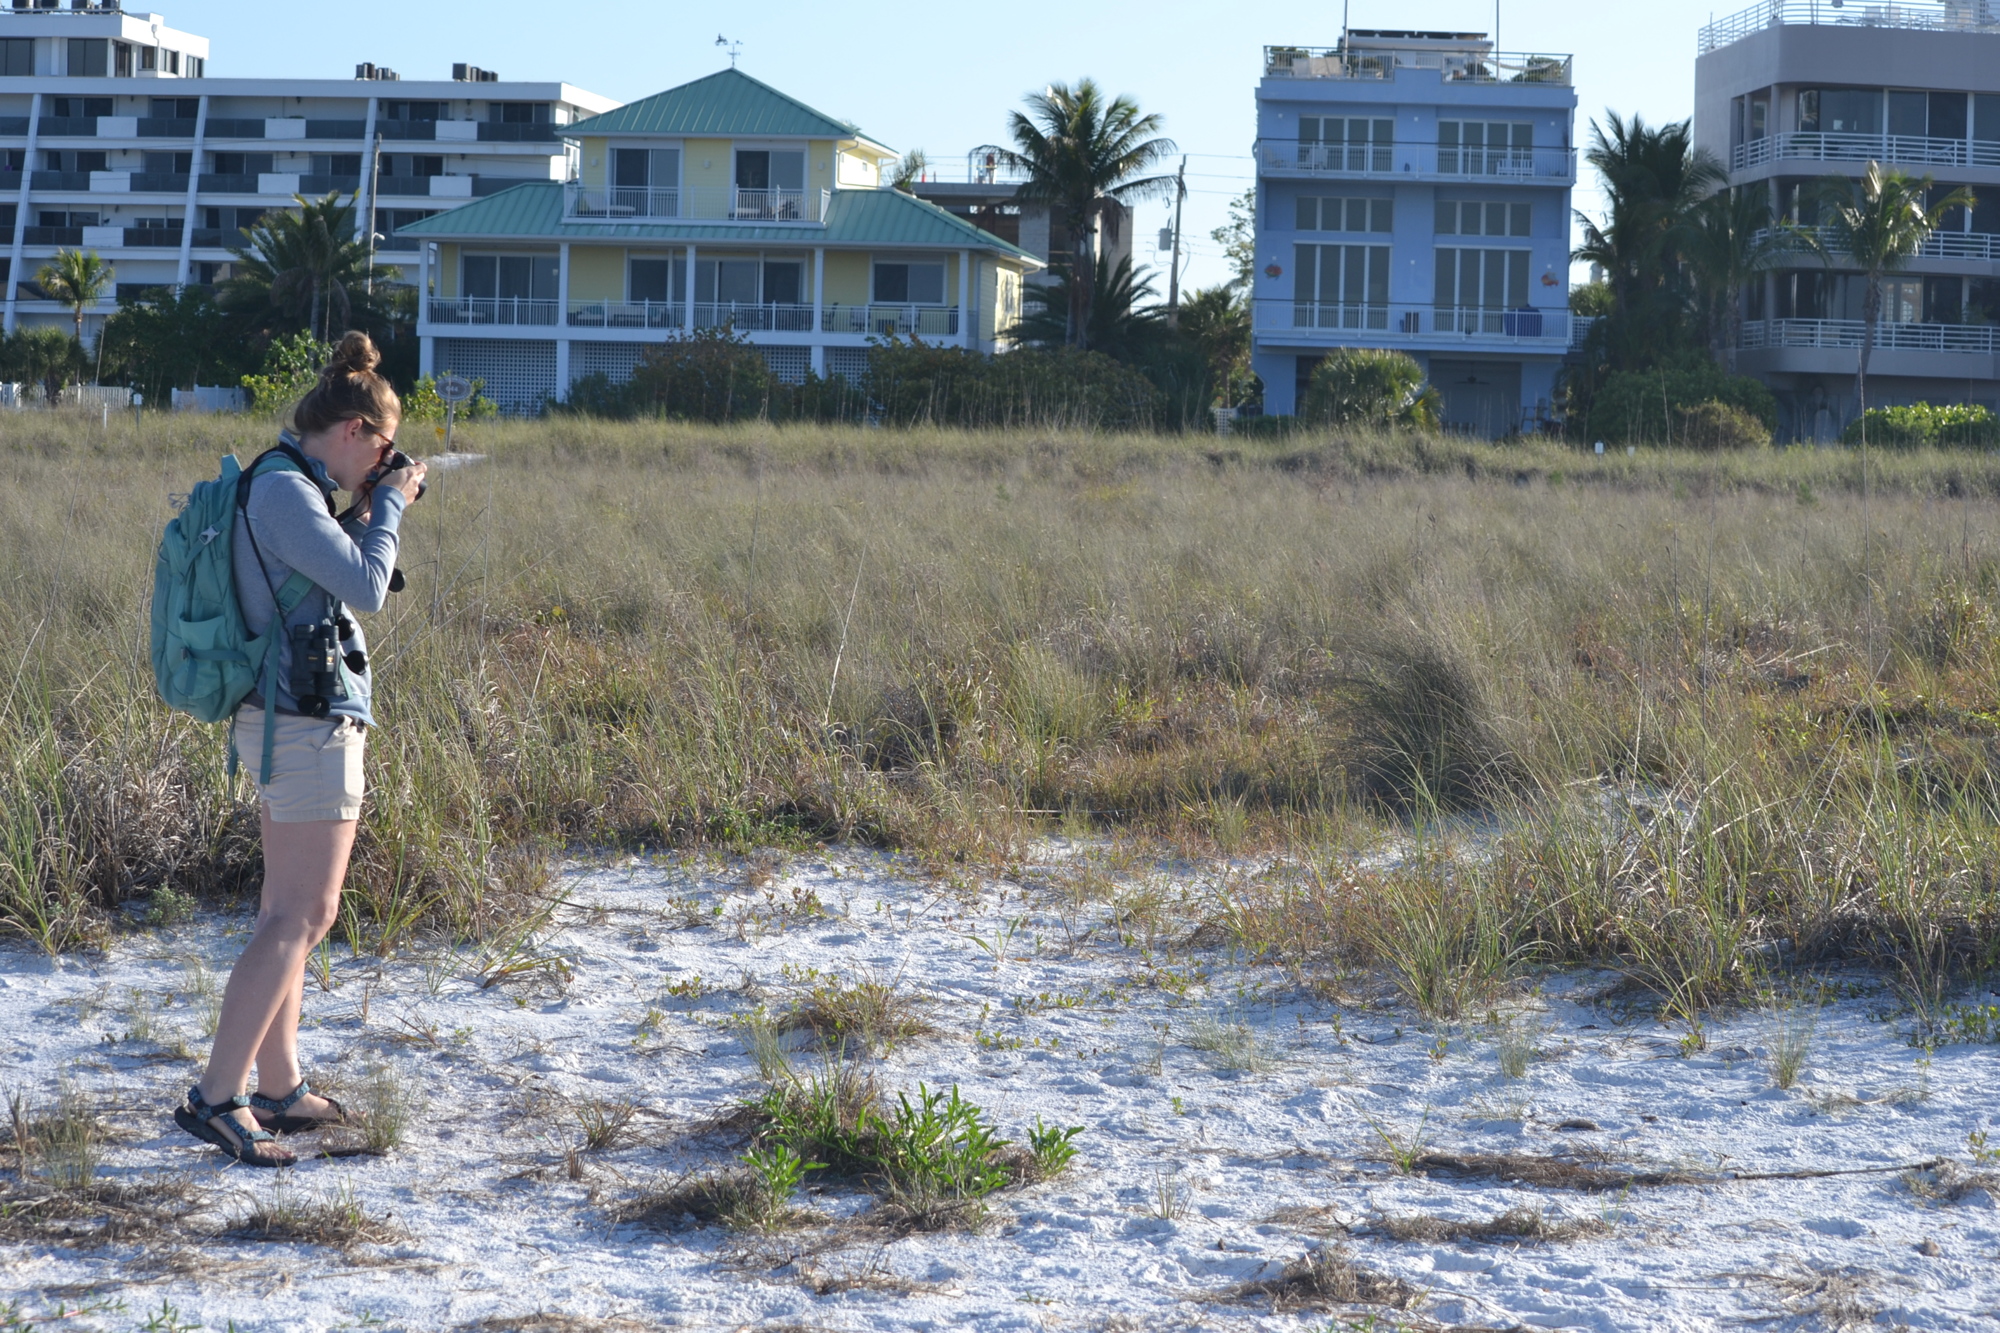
453 389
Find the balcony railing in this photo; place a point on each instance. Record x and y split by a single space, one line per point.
1978 339
161 237
52 235
158 183
491 310
335 129
1977 246
404 185
1429 322
216 183
701 203
407 129
1536 165
232 127
60 180
1924 15
494 131
311 186
892 321
1466 65
67 127
1894 149
628 314
764 317
176 127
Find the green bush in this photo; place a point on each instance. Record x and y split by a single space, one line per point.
422 403
291 367
1648 406
915 383
1928 426
1718 426
1360 386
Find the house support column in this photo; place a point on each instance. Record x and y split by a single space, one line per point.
188 207
562 324
426 345
688 323
21 212
819 312
964 298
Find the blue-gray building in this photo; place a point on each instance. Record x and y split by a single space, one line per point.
1413 192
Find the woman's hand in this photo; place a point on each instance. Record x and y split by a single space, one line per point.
409 480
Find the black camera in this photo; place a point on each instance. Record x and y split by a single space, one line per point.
397 459
316 662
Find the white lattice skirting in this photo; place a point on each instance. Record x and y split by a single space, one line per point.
518 375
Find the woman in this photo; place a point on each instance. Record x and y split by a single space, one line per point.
310 798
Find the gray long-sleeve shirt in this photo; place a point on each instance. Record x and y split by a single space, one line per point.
288 512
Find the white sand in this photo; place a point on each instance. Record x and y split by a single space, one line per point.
496 1229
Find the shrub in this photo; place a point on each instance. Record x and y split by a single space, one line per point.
422 403
916 383
1716 426
1928 426
291 367
710 375
1648 405
1360 386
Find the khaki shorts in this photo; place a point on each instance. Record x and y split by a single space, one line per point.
315 765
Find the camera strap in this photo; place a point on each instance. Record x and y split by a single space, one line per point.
286 599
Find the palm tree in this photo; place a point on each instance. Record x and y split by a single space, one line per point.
1876 224
1653 179
305 269
1728 241
76 278
1217 321
1079 152
909 170
1121 319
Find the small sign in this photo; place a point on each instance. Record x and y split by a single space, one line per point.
454 388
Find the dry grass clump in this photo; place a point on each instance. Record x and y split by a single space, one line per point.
104 1213
336 1219
58 1146
1325 1278
1547 1172
874 1013
1951 1182
605 1124
1518 1224
542 1321
734 1197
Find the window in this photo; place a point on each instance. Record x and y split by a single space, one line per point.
89 57
1351 143
656 280
167 164
1485 148
55 159
196 67
511 277
1341 286
17 56
173 62
413 111
1475 286
1473 218
242 164
231 219
173 108
16 160
121 60
1927 115
519 113
399 218
419 165
72 107
336 164
782 281
1840 110
646 168
726 281
1347 214
909 284
761 169
149 57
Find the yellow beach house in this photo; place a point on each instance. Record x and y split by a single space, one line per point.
720 203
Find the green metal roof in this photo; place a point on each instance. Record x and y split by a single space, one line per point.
727 102
855 218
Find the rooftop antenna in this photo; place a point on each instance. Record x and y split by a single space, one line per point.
733 48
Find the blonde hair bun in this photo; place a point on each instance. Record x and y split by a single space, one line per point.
356 355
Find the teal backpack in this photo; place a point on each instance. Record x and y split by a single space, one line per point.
204 659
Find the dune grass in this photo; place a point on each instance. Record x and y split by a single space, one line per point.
1695 724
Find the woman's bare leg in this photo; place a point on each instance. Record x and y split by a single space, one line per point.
304 867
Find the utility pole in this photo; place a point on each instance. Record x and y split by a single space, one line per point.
374 193
1174 272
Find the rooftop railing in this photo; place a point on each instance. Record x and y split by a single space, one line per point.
1921 15
1467 65
638 203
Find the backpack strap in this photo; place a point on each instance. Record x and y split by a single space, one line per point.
287 597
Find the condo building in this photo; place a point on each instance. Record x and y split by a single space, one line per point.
1791 92
113 138
720 204
1413 193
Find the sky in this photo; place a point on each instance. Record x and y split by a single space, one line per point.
942 77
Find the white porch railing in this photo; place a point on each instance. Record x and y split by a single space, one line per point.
898 321
1537 165
491 310
1979 339
1428 322
1893 149
1924 15
748 318
628 314
1977 246
623 203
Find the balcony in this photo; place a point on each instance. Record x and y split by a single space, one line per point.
13 126
1433 324
233 127
1975 339
1973 246
405 185
60 180
628 314
892 321
491 310
158 237
1467 65
174 127
493 131
67 127
397 130
1920 15
1528 166
1889 149
71 236
213 183
152 183
698 203
336 129
313 186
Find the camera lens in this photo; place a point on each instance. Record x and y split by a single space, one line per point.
357 662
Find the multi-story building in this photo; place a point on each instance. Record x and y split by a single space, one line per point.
1791 92
720 203
1413 192
113 139
988 196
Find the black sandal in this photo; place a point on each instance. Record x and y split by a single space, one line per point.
196 1118
274 1113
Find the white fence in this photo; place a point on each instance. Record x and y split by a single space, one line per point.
211 398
